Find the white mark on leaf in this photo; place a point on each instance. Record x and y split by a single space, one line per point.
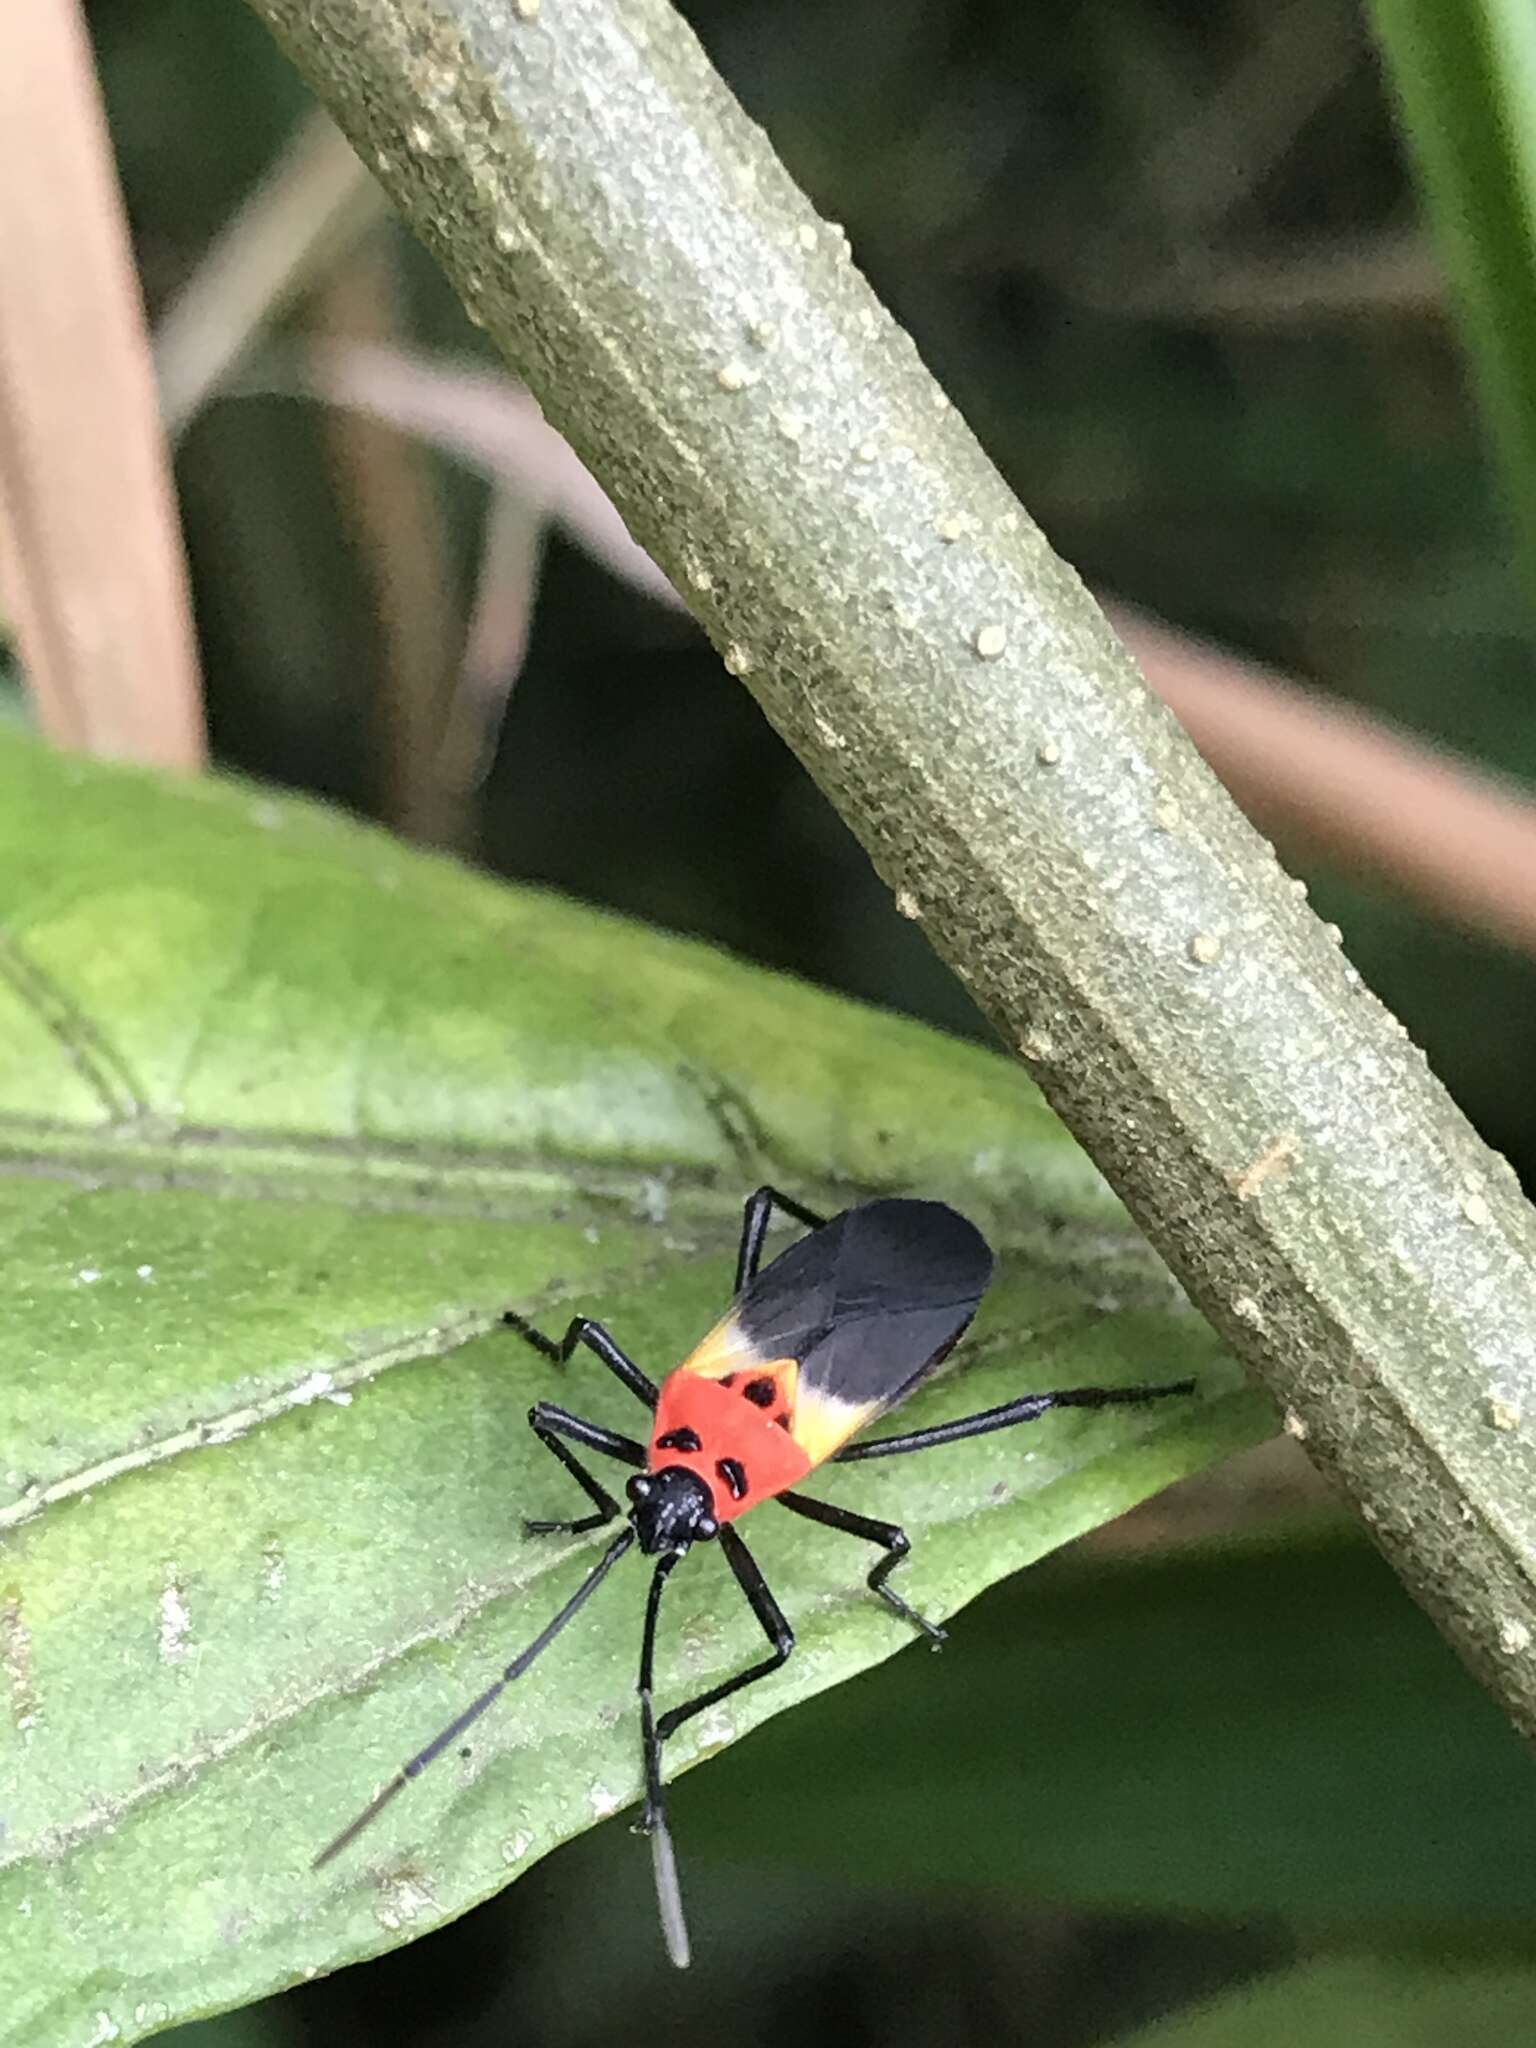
402 1899
16 1655
175 1623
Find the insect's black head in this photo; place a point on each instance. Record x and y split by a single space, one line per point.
672 1509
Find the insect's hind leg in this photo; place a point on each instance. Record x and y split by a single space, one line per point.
549 1424
582 1330
770 1619
755 1217
893 1540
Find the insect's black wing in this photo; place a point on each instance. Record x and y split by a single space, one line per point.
867 1304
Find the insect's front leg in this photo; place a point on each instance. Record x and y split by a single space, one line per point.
549 1424
582 1330
770 1619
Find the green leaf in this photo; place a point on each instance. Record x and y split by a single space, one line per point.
288 1115
1465 78
1248 1731
1370 2002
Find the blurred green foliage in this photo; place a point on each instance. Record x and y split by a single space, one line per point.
1466 80
1071 204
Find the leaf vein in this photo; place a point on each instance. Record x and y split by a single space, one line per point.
98 1062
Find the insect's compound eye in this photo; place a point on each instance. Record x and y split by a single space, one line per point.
639 1488
707 1529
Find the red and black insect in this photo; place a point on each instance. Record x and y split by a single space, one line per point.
830 1335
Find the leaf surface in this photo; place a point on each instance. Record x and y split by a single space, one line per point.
288 1114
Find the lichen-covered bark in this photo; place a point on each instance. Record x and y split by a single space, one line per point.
706 343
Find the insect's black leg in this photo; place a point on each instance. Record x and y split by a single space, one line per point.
549 1424
582 1330
1027 1408
892 1539
654 1732
770 1620
754 1228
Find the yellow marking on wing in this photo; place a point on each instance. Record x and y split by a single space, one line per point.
724 1350
822 1424
818 1422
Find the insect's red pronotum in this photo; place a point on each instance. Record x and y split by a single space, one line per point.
831 1334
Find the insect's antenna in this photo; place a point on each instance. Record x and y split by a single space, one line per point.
477 1707
669 1897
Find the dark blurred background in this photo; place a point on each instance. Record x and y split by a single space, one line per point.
1166 259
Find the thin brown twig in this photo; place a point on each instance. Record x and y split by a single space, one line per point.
389 496
495 645
1334 784
312 204
1295 61
1382 276
95 582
